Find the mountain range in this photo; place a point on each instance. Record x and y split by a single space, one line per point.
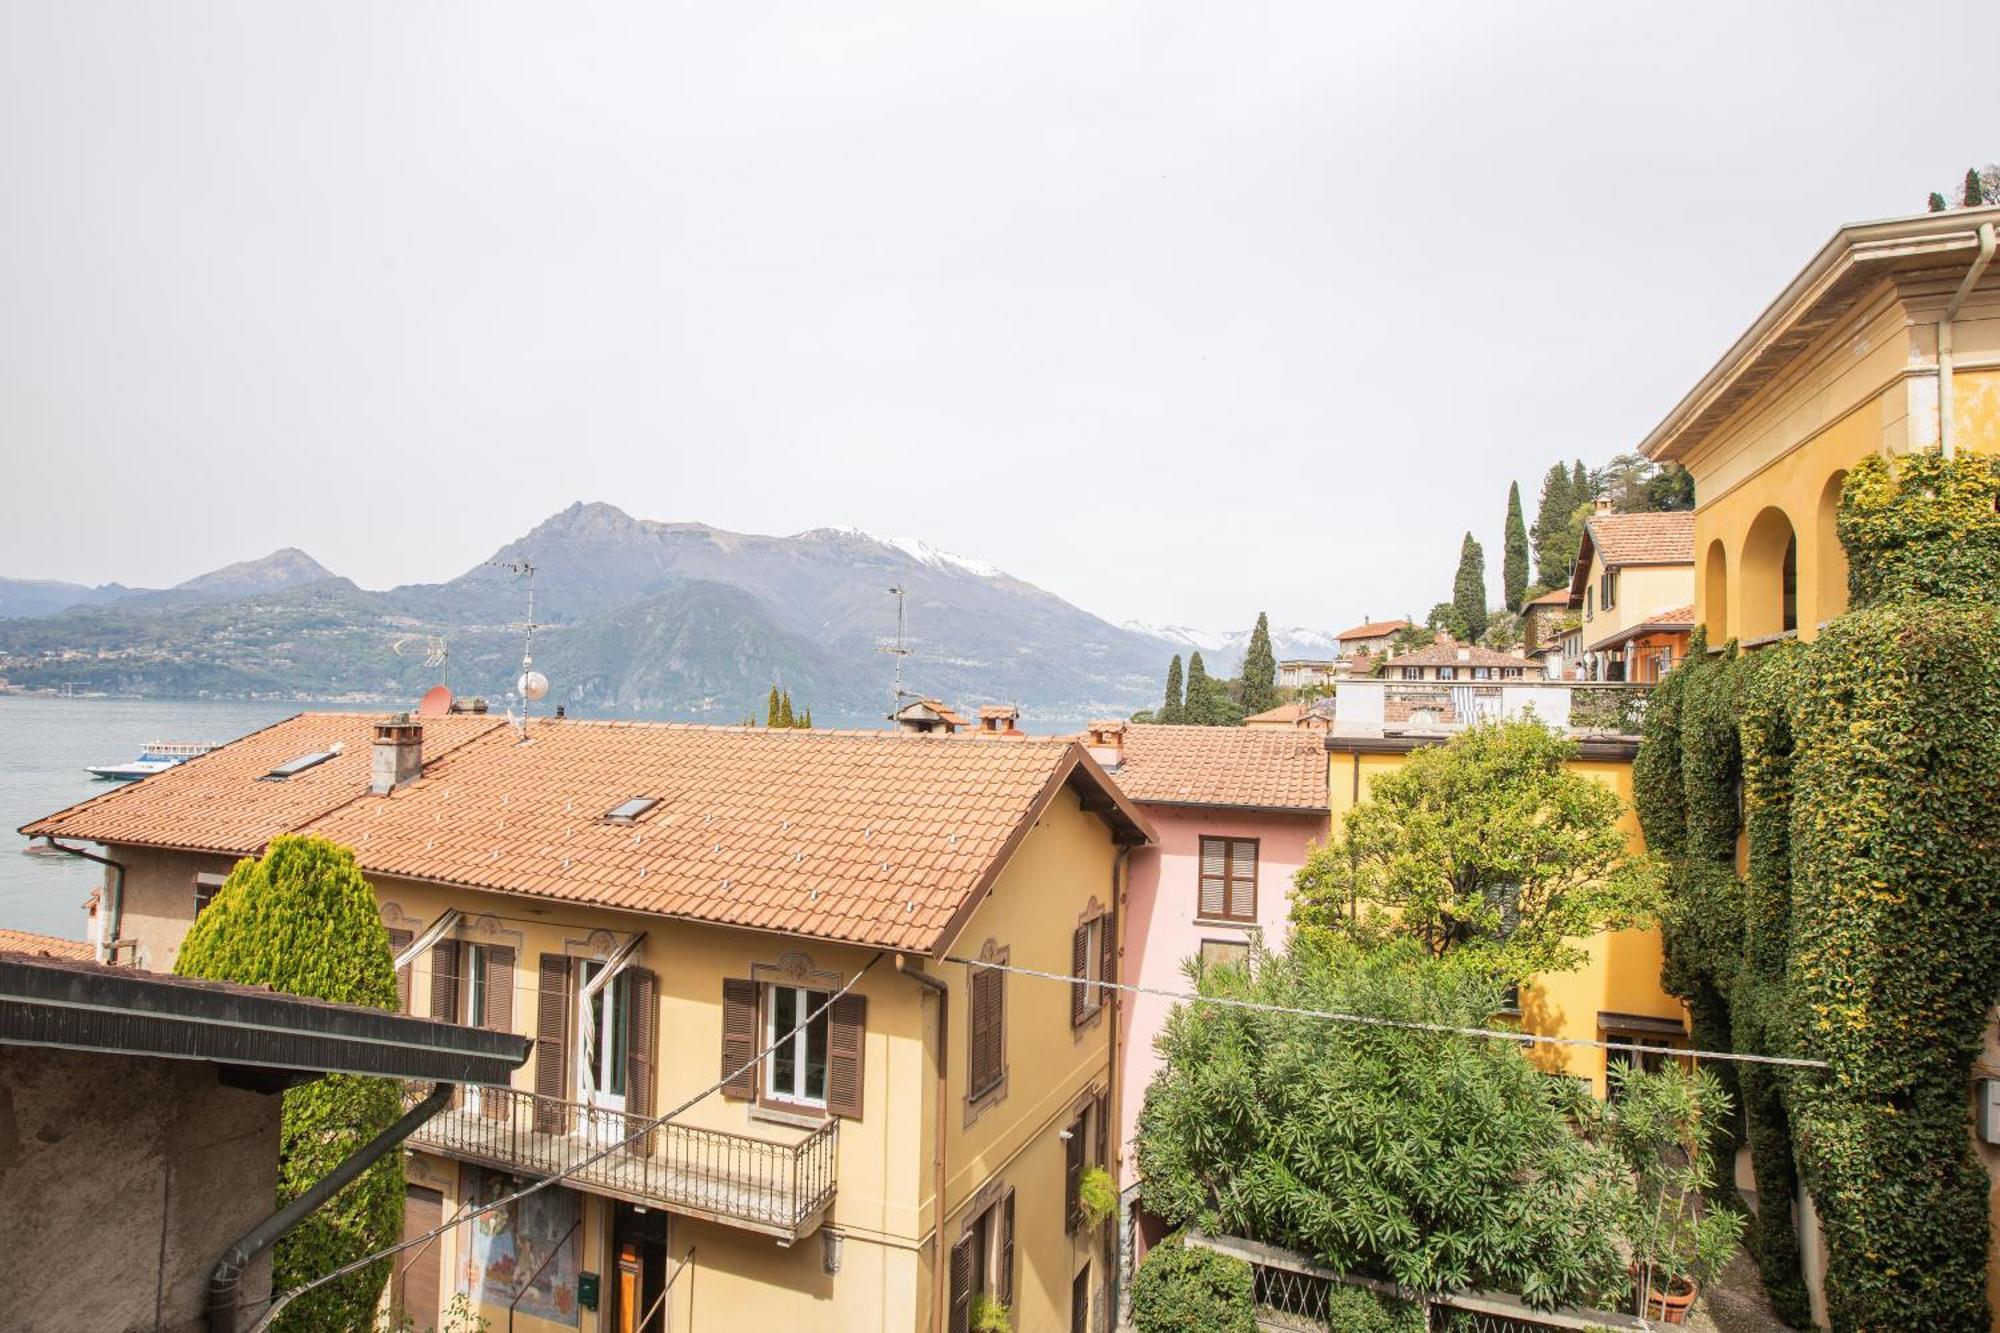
633 616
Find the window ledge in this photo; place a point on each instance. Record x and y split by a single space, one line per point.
802 1118
1226 922
977 1106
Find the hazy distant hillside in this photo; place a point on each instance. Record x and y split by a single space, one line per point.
636 615
43 597
287 568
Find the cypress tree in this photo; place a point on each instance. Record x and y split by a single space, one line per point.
806 723
785 718
771 708
1581 492
1260 669
1974 195
1199 707
1514 570
1551 525
1938 205
1468 589
1171 710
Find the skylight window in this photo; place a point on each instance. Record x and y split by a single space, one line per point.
630 811
293 767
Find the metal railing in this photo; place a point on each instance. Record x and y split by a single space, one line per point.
781 1189
1608 708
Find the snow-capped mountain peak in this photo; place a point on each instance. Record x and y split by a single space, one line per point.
924 553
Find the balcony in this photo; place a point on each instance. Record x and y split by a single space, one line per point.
1584 709
781 1189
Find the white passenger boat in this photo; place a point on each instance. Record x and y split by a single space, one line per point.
157 755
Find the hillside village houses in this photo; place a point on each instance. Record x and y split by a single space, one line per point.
652 903
1633 592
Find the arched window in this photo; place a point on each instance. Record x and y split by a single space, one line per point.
1831 594
1770 577
1715 594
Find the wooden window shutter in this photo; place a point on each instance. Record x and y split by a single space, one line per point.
552 1045
1073 1177
847 1033
1214 877
1079 966
499 1013
1107 962
961 1286
739 1038
1101 1113
1243 879
444 981
642 1052
987 1054
1079 1302
1007 1249
399 940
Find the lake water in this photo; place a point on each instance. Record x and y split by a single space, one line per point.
45 744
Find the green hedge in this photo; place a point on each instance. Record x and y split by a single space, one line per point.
1184 1289
1922 527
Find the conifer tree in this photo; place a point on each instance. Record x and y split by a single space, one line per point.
1514 570
1200 703
1552 560
1468 589
1581 492
806 723
1171 710
785 718
1260 669
1938 205
1974 194
771 708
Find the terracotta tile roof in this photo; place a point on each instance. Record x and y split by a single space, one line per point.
1640 539
1679 618
215 803
1374 629
1553 597
1282 713
876 838
1448 654
1264 768
22 941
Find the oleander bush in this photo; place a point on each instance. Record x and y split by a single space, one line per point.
1184 1289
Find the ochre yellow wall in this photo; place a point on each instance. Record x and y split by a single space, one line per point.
1643 590
1622 974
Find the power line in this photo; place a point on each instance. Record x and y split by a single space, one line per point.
1413 1025
278 1303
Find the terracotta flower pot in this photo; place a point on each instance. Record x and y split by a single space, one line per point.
1670 1306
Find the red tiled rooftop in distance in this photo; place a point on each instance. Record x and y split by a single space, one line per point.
22 941
1252 767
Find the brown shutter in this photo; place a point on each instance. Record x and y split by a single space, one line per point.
739 1038
552 1045
499 1016
1214 877
1243 879
986 1059
642 1039
1079 966
1103 1117
1007 1250
399 940
961 1286
1107 963
1073 1176
847 1032
444 981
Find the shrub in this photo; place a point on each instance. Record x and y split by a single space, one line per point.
1925 526
1184 1289
303 920
1358 1310
990 1316
1096 1196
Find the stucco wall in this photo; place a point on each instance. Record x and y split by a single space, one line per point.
159 900
1163 927
122 1180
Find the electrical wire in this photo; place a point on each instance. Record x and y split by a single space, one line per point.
464 1215
1410 1024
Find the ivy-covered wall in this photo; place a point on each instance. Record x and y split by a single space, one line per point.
1865 928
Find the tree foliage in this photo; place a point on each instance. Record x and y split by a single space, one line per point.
1923 526
1514 569
1170 710
1260 669
1554 552
303 920
1437 1161
1468 588
1182 1289
1488 847
1208 702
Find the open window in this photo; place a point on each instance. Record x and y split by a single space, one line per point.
796 1030
1090 955
982 1263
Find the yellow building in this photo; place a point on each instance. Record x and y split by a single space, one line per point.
1887 343
1633 590
897 1130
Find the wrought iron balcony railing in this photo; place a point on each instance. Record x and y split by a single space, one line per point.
781 1189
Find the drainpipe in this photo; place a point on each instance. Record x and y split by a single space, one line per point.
1114 1097
114 910
228 1274
1947 430
941 1261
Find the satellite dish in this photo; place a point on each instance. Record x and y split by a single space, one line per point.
435 703
533 685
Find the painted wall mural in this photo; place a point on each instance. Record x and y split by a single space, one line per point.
529 1249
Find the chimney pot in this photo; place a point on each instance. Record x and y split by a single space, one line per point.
1107 742
1603 504
398 757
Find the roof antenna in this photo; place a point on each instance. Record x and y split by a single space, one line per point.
899 650
532 684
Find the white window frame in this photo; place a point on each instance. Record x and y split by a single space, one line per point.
596 1070
1093 965
805 1001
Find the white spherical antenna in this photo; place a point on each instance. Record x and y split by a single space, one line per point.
533 685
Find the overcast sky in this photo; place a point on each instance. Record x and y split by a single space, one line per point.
1181 311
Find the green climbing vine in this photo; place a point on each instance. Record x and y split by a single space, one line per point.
1828 814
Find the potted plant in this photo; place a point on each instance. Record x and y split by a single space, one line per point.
990 1316
1662 1125
1096 1197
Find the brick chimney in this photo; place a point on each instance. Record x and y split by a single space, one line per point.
999 720
399 754
1603 504
1106 742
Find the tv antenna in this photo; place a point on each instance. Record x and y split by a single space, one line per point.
436 651
898 650
532 685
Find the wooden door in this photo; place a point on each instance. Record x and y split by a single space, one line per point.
413 1289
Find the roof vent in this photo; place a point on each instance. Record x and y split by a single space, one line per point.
629 811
